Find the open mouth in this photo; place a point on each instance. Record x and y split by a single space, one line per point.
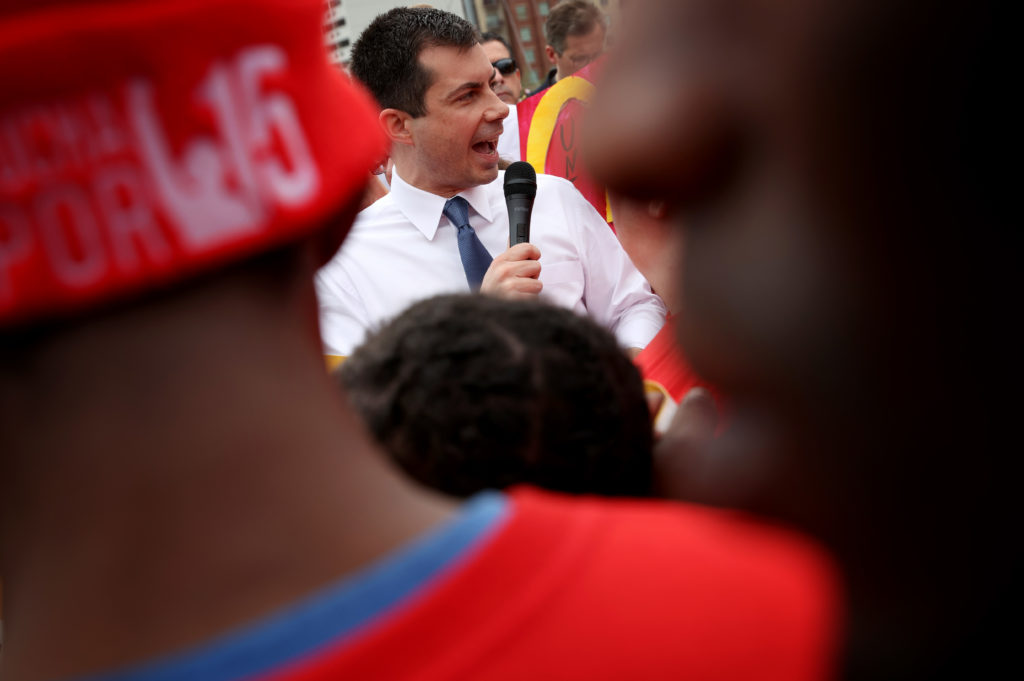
486 147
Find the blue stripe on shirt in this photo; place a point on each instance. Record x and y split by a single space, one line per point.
336 612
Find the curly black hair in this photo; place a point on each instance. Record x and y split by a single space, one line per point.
385 58
470 392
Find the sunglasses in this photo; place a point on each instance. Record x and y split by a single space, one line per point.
506 66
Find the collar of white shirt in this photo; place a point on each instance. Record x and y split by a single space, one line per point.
424 210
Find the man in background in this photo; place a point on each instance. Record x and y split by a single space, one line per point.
443 228
575 31
507 82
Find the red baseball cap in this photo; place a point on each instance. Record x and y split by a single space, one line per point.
145 142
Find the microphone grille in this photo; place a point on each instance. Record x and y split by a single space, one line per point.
520 178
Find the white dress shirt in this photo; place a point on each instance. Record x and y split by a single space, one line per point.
402 249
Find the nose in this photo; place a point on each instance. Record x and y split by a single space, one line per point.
498 110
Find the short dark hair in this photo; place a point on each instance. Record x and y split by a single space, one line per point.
491 36
571 17
470 392
385 58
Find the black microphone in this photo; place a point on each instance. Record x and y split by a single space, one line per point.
520 190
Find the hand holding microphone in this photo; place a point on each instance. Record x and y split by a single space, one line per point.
515 273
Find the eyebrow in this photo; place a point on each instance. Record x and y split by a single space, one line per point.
474 85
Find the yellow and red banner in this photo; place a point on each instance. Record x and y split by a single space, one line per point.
549 138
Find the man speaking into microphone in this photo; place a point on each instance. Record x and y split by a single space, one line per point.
444 226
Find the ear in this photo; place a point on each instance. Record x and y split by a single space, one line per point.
552 55
395 124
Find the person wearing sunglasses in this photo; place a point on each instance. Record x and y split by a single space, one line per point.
507 81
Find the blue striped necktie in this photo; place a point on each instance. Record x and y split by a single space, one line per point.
475 258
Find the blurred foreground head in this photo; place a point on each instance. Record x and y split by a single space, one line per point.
473 392
171 175
837 171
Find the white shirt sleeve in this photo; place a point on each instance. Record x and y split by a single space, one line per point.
615 292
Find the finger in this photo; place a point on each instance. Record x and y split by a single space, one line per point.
498 271
523 285
529 269
523 251
504 285
520 295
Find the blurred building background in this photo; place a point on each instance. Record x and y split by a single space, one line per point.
346 19
338 31
520 22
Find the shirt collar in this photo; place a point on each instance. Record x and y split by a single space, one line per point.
425 210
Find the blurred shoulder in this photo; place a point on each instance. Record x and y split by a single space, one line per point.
699 541
714 592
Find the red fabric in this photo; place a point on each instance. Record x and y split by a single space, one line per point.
562 153
609 590
662 362
143 142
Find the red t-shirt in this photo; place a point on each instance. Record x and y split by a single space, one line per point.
599 589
